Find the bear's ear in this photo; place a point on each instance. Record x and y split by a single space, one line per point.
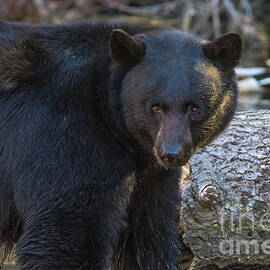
226 49
125 48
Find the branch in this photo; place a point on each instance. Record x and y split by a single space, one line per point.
164 9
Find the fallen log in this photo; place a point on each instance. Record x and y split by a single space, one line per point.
225 210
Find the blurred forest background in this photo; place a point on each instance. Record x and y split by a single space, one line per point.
207 18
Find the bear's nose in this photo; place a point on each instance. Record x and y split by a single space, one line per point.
175 156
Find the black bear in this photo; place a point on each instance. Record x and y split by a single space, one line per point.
96 121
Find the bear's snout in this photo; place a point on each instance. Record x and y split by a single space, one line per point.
173 145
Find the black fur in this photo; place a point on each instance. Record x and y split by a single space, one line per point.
80 186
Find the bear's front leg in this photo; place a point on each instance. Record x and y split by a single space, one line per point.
71 232
151 239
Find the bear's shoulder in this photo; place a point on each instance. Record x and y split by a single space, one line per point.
22 57
29 52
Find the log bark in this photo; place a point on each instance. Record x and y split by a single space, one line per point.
225 209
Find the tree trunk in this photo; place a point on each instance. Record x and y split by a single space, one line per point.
225 211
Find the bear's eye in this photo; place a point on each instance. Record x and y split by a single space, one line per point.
156 108
193 108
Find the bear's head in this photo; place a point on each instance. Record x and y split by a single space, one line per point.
178 92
